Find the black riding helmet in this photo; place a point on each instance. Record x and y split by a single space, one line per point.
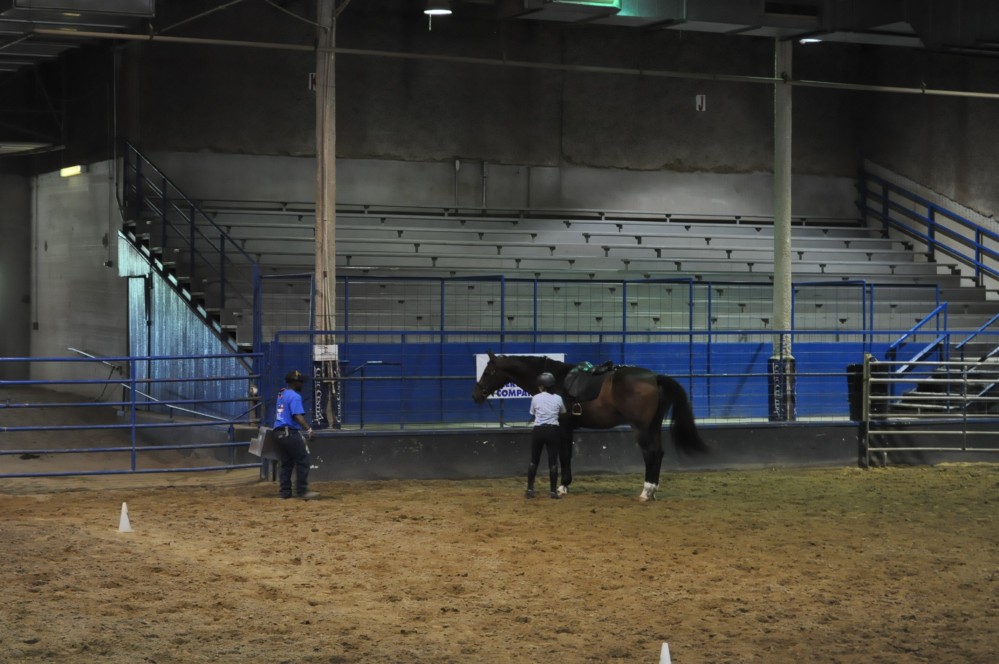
546 380
295 377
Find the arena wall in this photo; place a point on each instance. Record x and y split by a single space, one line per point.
15 272
506 452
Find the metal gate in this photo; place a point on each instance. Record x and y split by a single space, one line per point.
919 410
87 415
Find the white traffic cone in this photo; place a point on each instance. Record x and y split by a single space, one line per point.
123 524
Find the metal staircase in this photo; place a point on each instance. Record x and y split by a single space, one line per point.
964 381
218 280
953 372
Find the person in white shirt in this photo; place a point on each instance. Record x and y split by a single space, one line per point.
546 407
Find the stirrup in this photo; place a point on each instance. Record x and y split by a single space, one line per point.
577 408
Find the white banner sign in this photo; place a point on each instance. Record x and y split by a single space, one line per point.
325 353
510 391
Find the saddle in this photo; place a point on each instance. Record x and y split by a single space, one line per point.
583 384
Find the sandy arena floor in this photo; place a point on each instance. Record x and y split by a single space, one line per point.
834 565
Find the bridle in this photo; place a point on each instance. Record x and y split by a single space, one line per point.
482 389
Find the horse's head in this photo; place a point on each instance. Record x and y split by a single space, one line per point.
493 378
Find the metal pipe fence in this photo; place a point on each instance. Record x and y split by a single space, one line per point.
951 408
414 380
62 421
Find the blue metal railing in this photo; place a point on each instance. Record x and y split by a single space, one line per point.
941 230
860 297
136 415
944 233
977 334
412 381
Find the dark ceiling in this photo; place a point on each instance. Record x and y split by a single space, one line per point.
35 31
964 26
22 45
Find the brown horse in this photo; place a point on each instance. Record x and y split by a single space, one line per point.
629 395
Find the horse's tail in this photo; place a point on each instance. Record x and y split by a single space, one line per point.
683 430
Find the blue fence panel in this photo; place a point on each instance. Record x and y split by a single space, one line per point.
430 382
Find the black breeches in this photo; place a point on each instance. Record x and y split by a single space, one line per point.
549 437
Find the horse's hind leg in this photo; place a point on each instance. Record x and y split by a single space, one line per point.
565 460
652 451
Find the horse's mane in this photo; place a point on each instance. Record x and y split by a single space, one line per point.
536 364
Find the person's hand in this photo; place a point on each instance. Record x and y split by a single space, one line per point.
308 433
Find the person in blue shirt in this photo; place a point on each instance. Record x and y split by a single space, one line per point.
546 407
289 425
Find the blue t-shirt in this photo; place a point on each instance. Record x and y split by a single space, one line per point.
289 404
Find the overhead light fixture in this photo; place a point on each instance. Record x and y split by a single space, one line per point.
810 40
70 171
438 8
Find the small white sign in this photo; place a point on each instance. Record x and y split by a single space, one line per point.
701 102
325 353
510 391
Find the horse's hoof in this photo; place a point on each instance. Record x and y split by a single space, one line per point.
554 495
648 492
529 493
563 490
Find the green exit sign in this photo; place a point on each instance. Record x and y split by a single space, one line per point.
616 4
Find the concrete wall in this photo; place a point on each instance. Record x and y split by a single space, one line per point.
367 181
77 301
194 98
15 272
506 452
944 143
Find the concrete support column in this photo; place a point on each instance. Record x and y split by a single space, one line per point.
782 383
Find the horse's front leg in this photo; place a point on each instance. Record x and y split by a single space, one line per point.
565 459
652 451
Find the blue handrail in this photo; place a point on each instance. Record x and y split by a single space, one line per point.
964 342
959 238
927 228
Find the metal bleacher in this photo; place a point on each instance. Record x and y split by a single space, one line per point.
445 242
586 245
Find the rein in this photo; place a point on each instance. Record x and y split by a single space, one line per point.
489 402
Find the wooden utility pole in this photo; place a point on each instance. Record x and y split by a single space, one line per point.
324 315
782 381
325 356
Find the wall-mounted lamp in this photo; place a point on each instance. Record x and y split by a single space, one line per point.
438 8
70 171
